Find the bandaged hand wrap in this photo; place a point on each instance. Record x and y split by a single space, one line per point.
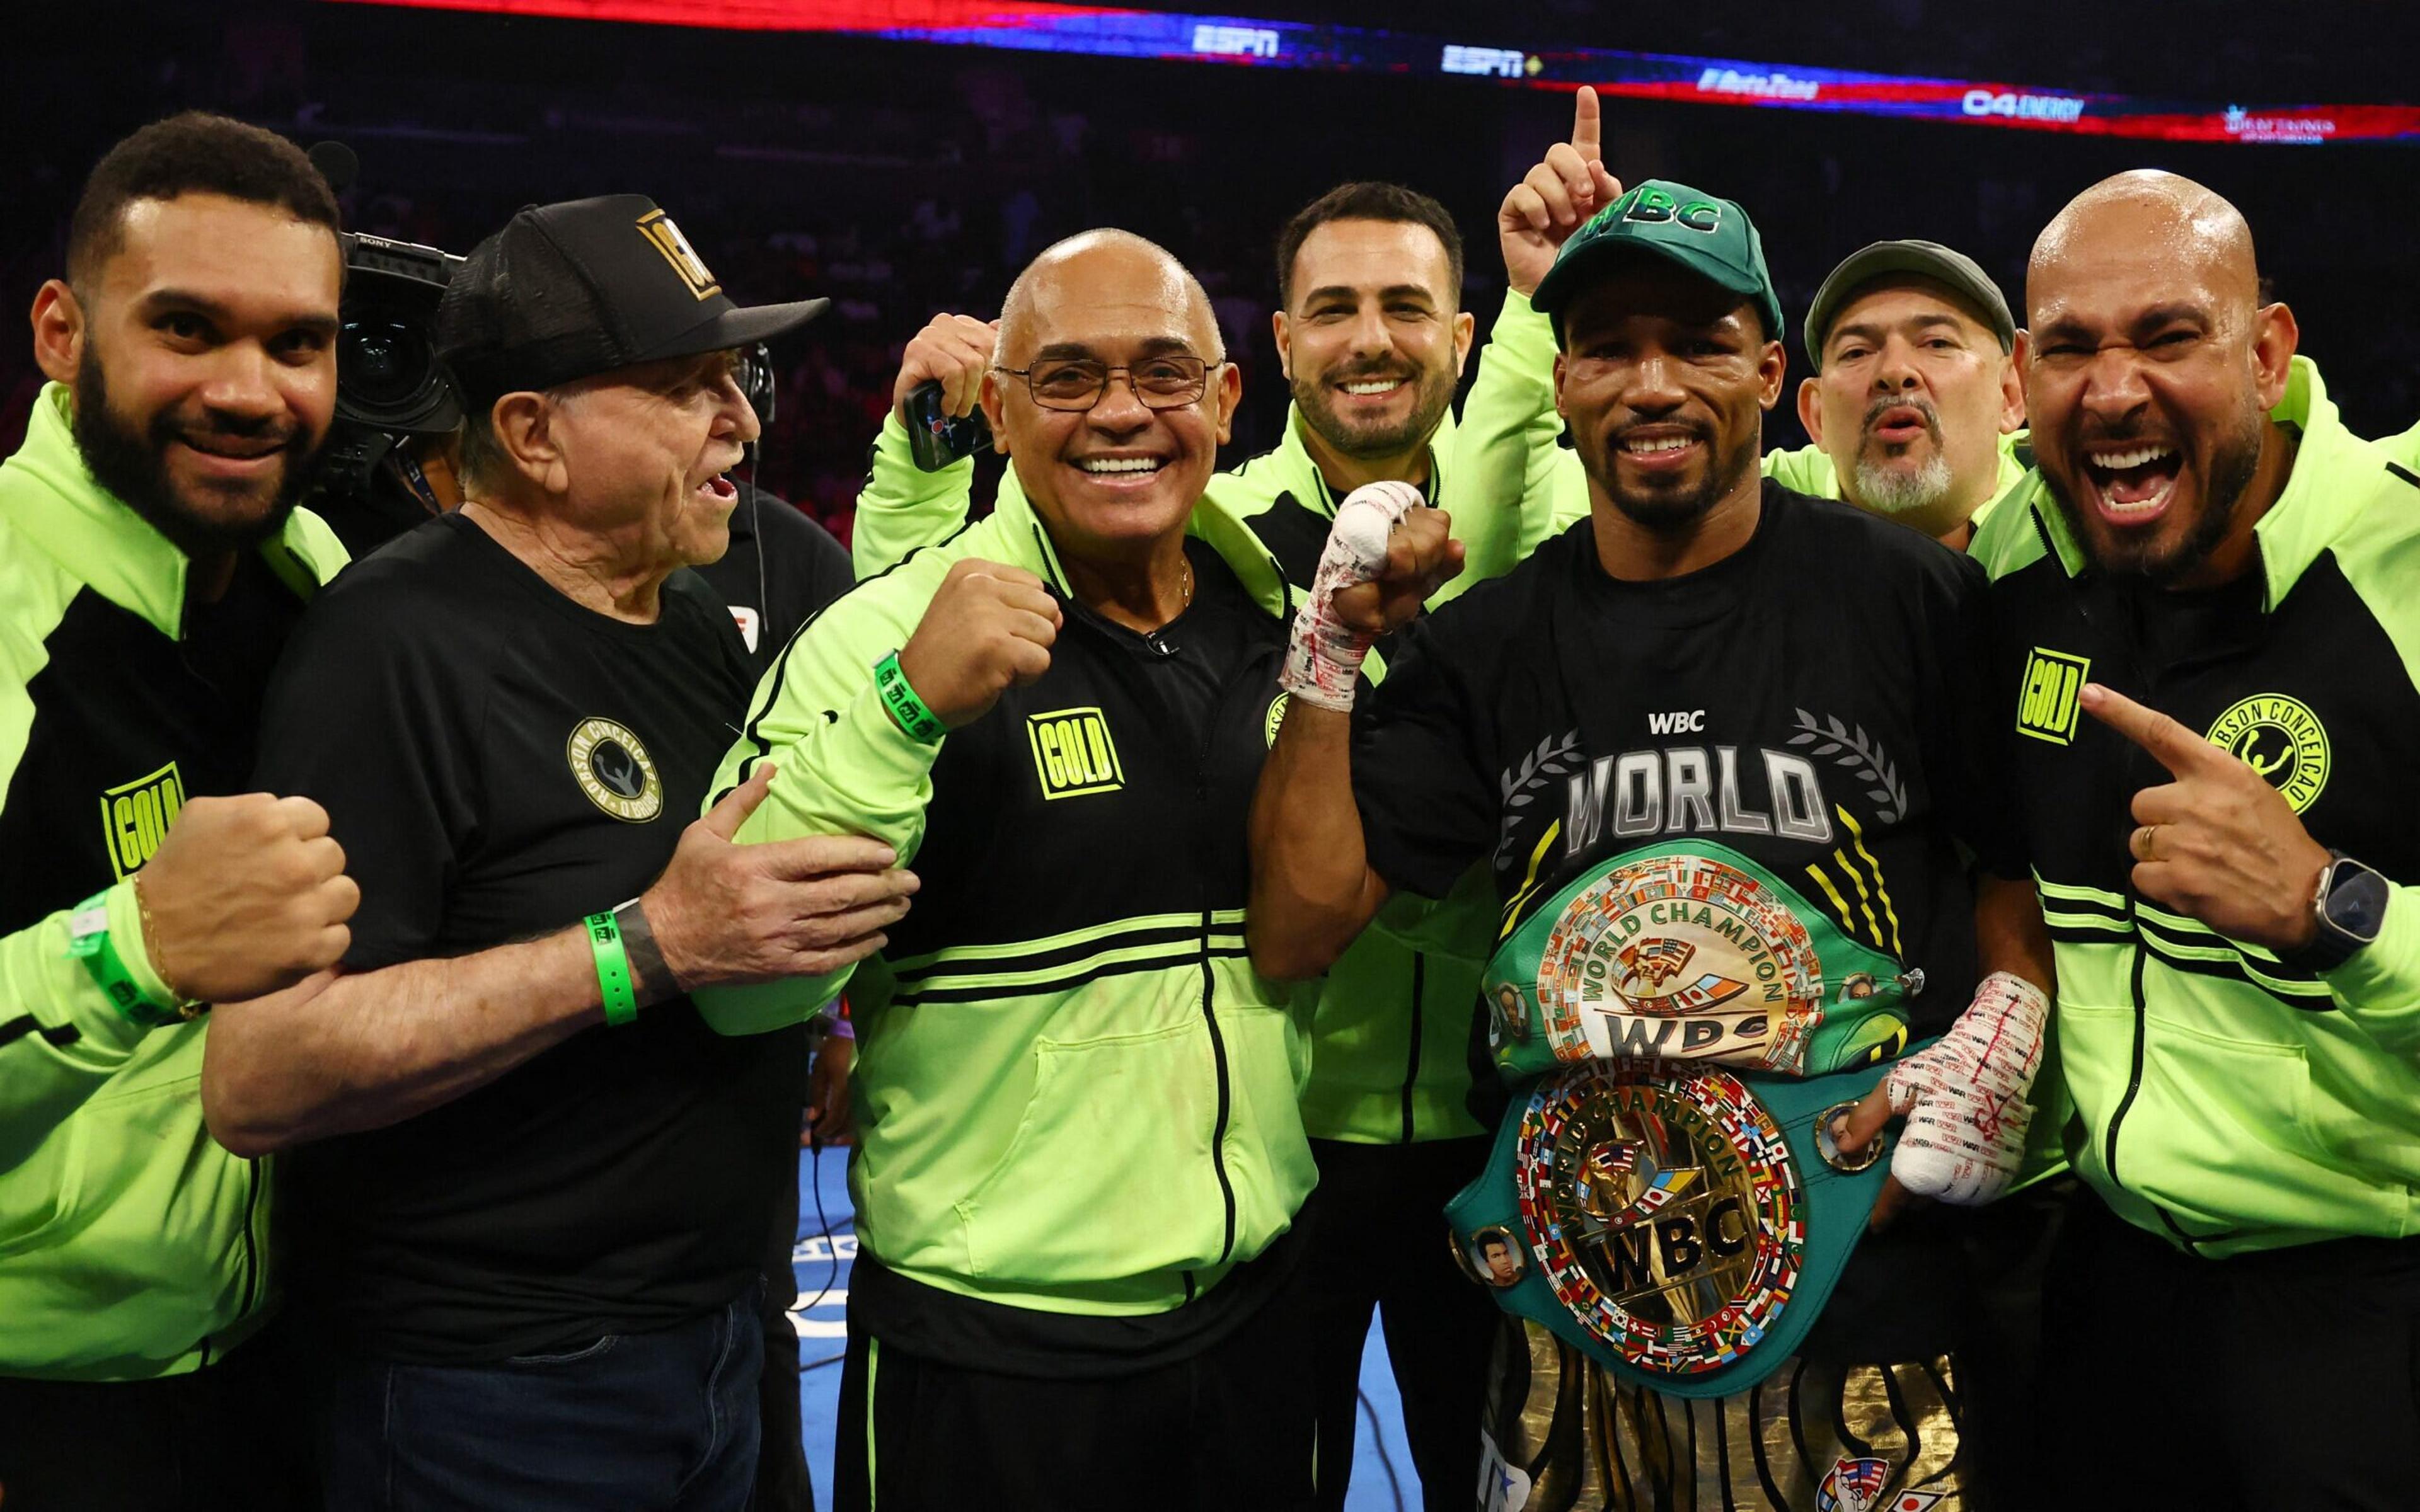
1964 1098
1326 657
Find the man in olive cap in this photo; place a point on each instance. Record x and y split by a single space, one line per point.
1914 406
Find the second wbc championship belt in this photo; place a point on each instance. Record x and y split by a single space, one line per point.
1667 1197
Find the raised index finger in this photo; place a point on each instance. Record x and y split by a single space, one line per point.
1587 134
2172 745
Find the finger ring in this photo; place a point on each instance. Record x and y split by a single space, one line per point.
2142 848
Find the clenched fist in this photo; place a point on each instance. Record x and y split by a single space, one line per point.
1385 553
1421 556
989 629
954 350
1554 199
247 896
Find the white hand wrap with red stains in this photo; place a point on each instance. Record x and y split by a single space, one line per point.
1325 656
1964 1098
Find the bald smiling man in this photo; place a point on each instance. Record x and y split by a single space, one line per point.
2209 603
1079 1158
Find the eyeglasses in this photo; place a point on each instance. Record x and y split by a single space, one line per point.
1169 382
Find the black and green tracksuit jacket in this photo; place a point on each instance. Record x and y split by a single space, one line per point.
132 1245
2220 1098
1074 1095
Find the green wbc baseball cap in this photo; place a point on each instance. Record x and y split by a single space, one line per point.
1946 266
1710 237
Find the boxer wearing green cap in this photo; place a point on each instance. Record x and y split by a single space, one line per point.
1718 744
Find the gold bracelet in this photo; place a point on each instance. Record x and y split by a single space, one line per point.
183 1006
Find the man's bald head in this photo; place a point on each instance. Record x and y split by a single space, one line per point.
1109 314
2149 366
2154 216
1107 263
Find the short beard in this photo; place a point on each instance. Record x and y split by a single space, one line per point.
131 466
1889 490
2232 463
1434 395
1672 514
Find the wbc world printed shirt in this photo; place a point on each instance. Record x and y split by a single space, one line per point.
1813 704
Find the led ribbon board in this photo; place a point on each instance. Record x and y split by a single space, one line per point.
1104 32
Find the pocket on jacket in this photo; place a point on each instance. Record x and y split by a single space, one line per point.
1269 1156
42 1189
2219 1133
1110 1172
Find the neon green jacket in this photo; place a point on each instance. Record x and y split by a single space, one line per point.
2222 1098
132 1245
1074 1093
1379 1074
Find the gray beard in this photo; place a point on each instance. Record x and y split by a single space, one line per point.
1887 490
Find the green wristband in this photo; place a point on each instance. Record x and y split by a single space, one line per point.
891 685
89 941
612 969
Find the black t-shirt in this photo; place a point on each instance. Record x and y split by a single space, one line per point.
499 762
780 571
1815 701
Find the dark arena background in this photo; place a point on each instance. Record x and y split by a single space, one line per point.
807 152
905 157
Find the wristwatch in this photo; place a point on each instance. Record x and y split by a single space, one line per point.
2349 904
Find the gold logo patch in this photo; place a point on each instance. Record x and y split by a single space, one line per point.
614 770
135 816
2281 739
1073 754
666 238
2047 706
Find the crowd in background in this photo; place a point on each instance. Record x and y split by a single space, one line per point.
901 180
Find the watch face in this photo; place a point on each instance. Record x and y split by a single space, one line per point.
2357 901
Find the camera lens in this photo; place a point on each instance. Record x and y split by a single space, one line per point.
383 363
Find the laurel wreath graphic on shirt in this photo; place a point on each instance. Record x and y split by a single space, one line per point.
1555 757
1861 754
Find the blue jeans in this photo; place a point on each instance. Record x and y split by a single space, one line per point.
661 1422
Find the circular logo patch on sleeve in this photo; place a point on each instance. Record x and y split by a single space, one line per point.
2281 739
615 771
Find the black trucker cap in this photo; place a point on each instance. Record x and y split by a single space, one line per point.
572 290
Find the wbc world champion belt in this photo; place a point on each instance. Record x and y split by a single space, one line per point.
1666 1199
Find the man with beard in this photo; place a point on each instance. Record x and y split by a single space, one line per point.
2210 567
1914 407
1914 324
1718 738
1371 337
152 565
